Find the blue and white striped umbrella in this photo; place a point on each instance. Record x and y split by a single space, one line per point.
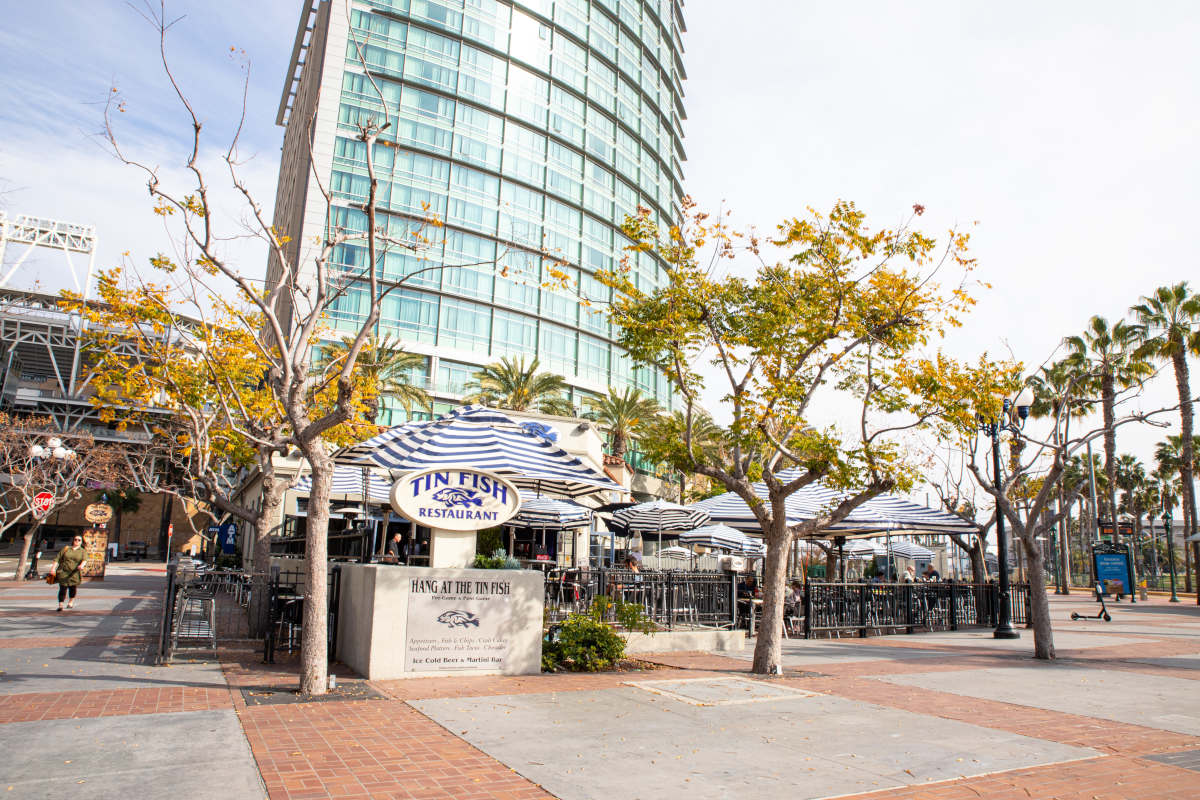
874 517
486 439
550 514
754 548
349 481
905 549
717 537
658 516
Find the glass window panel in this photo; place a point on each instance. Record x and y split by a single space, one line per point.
527 95
453 377
556 348
517 280
444 14
413 314
515 334
464 325
487 21
593 359
530 40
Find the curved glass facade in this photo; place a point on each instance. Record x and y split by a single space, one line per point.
529 128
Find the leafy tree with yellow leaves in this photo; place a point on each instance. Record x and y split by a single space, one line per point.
841 315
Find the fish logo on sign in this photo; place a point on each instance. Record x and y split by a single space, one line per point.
458 619
457 497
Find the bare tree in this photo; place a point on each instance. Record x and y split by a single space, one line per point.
37 459
1034 484
284 318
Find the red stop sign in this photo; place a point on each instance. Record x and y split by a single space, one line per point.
41 504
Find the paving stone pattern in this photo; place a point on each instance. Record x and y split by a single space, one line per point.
947 715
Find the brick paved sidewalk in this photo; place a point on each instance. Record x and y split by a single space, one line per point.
74 669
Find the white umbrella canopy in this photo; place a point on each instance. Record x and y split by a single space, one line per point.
717 537
905 549
675 552
876 517
658 516
862 550
350 482
550 513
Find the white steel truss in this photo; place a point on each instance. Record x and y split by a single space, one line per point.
52 234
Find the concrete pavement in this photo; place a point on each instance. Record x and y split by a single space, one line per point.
942 715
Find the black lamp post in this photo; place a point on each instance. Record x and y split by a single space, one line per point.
1171 554
1012 418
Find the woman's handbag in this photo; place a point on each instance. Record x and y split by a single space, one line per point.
50 578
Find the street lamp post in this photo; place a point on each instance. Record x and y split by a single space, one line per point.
1171 554
56 451
1006 422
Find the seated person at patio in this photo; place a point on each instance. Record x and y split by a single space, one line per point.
397 550
910 574
931 574
748 588
795 595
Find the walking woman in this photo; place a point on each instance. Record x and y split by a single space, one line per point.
66 571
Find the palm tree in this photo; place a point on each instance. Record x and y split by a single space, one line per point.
511 384
383 369
622 416
1109 355
1132 481
1076 477
1169 330
1169 455
1056 393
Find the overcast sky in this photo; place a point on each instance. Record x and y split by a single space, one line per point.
1067 130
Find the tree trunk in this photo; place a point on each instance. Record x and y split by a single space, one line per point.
23 561
314 644
1187 551
1109 397
1039 601
831 564
768 659
979 560
1064 548
1188 453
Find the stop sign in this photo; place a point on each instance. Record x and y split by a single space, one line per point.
41 504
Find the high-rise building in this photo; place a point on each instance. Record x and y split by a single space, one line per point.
531 128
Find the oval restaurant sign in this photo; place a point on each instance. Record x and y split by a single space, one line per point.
98 512
455 499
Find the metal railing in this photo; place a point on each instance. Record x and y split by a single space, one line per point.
669 598
204 608
866 609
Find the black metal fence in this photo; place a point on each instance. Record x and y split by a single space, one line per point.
669 598
205 607
872 609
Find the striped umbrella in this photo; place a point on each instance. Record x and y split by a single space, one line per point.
349 481
658 516
754 548
862 550
550 514
717 537
486 439
879 515
681 553
911 550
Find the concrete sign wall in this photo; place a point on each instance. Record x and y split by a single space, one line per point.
407 621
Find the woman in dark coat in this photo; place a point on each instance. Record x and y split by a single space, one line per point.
67 571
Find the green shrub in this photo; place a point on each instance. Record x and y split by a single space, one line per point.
499 559
582 644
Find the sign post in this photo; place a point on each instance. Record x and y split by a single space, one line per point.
1112 565
170 533
42 501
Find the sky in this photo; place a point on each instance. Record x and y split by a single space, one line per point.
1061 134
